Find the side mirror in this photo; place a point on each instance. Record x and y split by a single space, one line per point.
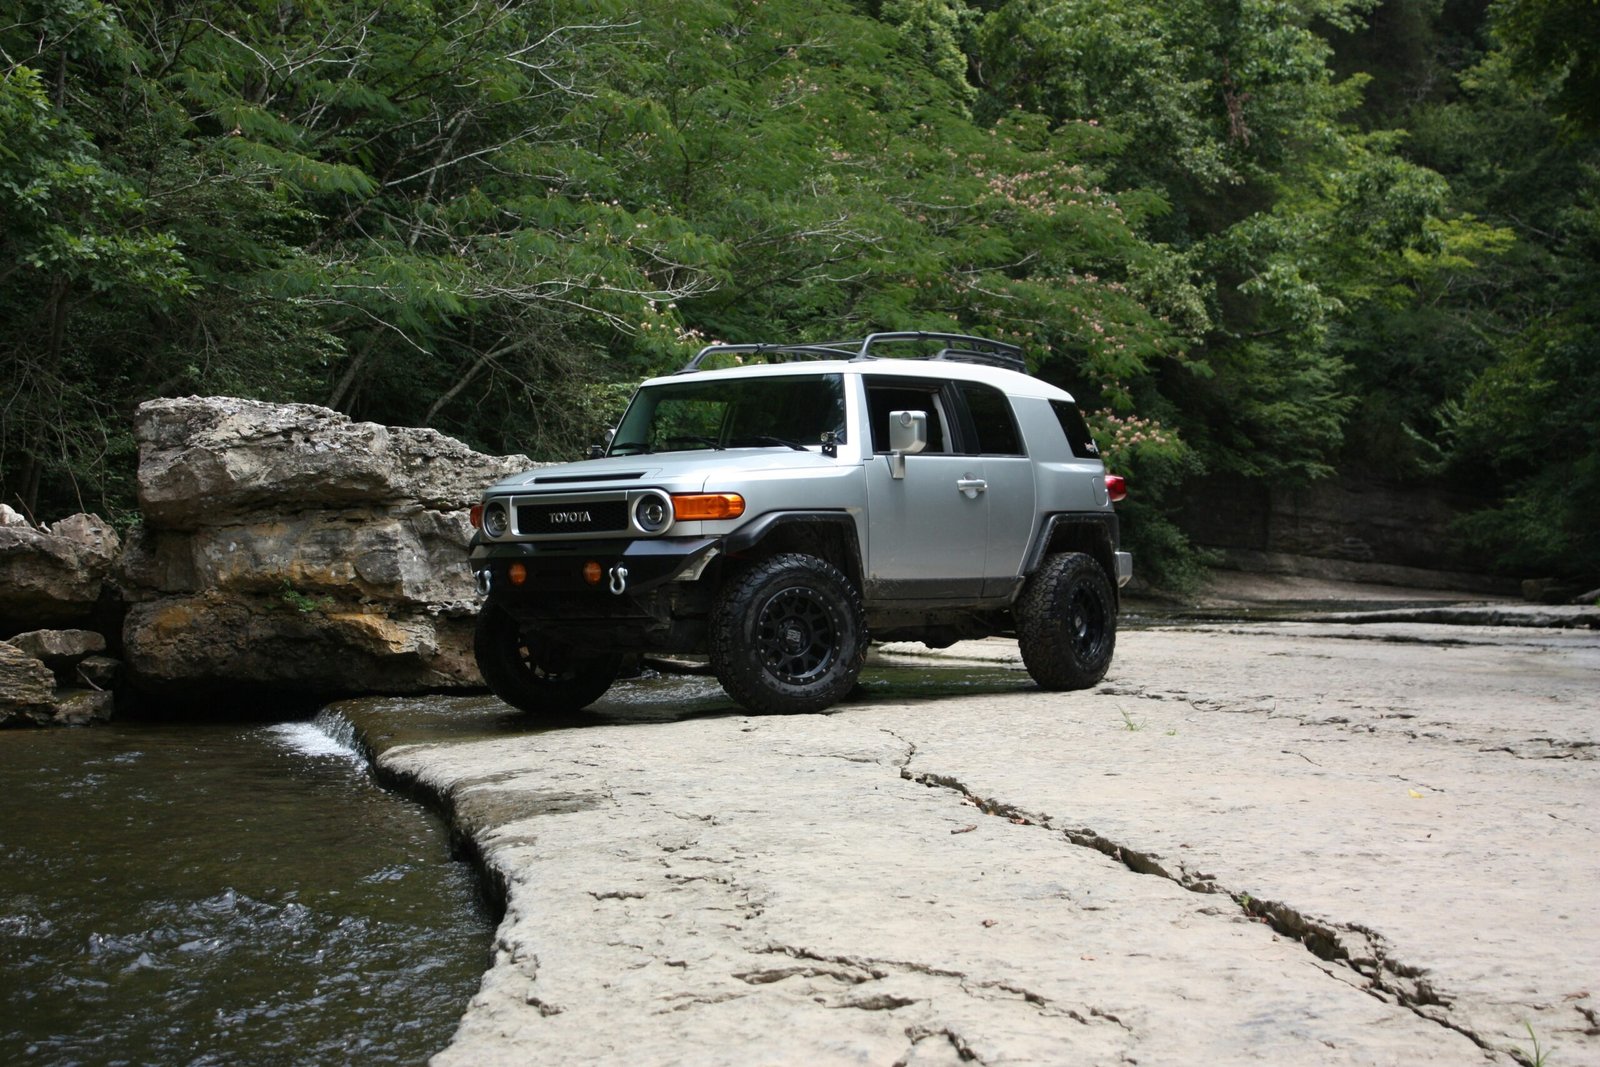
908 435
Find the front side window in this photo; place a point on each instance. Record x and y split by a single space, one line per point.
886 395
789 411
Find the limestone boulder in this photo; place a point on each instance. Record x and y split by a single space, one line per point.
52 575
215 642
287 549
205 460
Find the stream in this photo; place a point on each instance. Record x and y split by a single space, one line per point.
224 894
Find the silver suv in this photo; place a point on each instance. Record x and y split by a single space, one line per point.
781 510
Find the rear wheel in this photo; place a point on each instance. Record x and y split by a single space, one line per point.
789 635
534 674
1067 622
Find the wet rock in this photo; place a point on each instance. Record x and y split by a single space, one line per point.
52 575
27 687
213 642
81 707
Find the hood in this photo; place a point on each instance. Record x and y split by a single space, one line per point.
674 471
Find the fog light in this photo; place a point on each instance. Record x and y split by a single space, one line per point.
592 572
517 573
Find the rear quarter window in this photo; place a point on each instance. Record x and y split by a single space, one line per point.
1077 431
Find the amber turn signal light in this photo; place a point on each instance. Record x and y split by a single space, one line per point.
476 515
517 573
591 572
687 507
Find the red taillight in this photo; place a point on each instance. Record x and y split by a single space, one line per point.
476 514
1117 487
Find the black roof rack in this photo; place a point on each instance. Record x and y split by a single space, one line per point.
960 347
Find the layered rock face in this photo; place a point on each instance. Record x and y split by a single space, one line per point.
287 549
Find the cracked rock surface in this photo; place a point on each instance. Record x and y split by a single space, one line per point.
1268 843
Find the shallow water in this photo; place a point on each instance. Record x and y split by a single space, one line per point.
197 894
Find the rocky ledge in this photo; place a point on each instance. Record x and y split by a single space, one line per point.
285 552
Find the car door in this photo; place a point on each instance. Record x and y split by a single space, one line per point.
927 532
989 429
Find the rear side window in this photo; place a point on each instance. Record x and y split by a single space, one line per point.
1076 429
992 420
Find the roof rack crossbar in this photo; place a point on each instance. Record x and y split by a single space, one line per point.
958 346
971 349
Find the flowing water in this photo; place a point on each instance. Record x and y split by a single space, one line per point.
245 894
223 894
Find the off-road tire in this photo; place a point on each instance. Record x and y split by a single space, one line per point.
537 676
788 635
1067 622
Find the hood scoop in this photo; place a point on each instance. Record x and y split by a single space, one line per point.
567 479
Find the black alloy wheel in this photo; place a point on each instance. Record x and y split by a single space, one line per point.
534 674
1067 622
789 635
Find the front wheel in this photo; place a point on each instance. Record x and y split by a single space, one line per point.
534 674
789 635
1067 622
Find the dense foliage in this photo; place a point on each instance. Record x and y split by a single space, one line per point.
1260 238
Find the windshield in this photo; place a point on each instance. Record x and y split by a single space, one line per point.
768 412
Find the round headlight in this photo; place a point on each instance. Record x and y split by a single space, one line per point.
652 514
496 519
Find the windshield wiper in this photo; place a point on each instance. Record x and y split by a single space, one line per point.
765 439
695 439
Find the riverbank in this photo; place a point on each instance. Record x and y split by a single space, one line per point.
1328 842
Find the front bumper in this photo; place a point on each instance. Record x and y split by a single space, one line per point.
625 567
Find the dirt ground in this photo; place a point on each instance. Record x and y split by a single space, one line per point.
1260 841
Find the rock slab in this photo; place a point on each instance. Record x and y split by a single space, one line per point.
1283 843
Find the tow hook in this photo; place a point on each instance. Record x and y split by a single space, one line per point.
619 579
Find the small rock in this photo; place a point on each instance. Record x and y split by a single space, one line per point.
59 648
99 672
80 707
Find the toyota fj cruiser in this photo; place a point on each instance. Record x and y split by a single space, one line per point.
779 512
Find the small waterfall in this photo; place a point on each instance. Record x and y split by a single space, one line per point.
329 734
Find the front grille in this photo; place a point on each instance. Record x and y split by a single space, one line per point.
603 516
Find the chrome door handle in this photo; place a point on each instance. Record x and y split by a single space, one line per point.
971 486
